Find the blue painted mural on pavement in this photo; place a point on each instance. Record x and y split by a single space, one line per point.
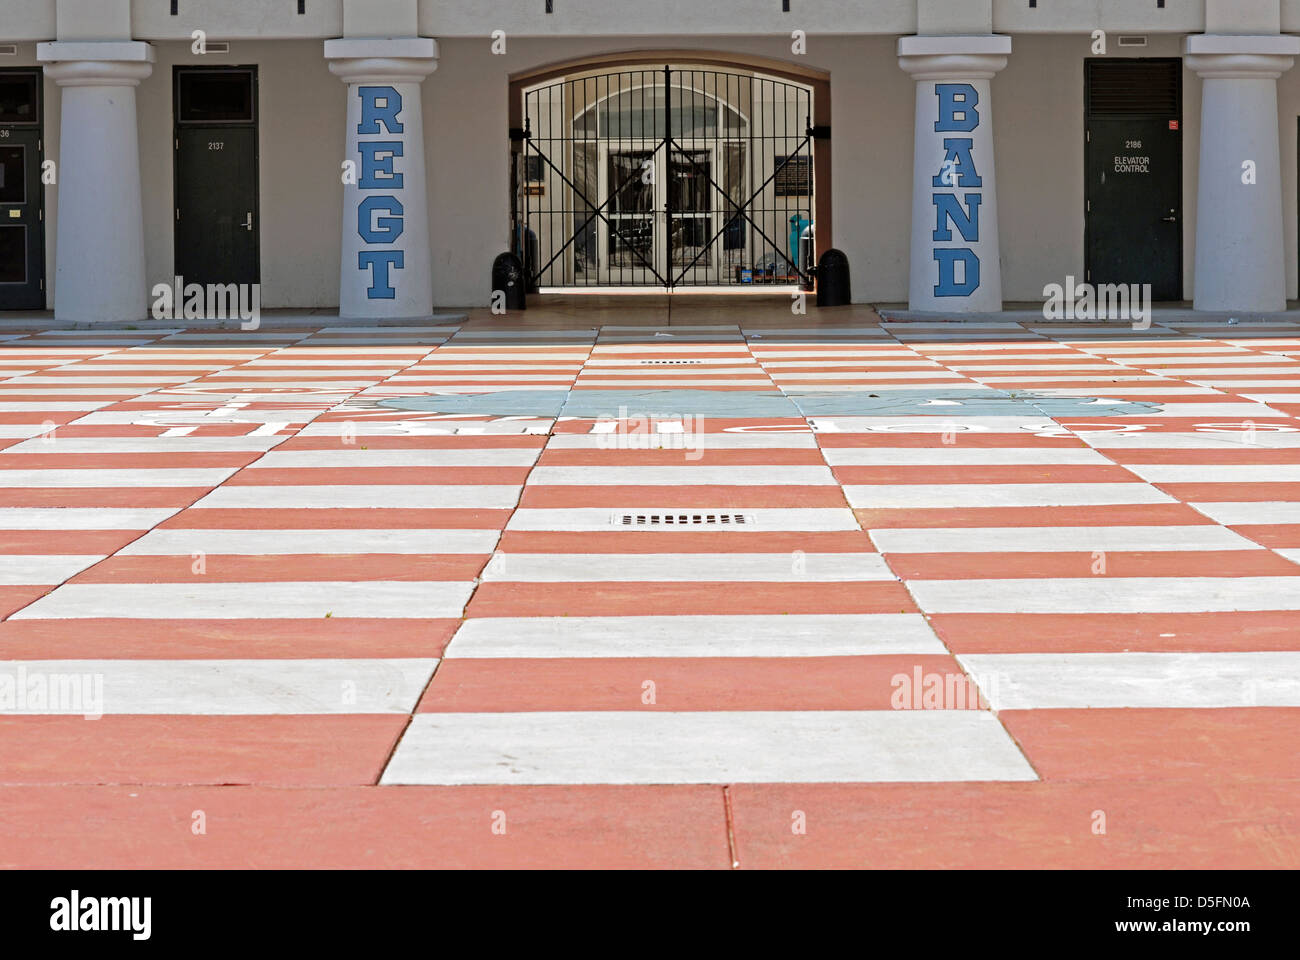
601 404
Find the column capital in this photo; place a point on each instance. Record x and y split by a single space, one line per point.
96 63
1225 56
975 57
374 59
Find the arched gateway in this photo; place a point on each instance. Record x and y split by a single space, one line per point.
658 171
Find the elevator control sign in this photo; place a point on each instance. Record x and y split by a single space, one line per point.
1132 162
380 213
959 266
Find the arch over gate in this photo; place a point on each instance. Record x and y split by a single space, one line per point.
697 170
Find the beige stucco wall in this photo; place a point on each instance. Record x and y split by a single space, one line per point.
1038 118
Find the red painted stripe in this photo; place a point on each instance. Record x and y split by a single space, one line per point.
1170 563
66 542
664 496
281 750
342 476
699 450
1281 536
277 568
135 461
1203 457
658 599
686 541
1024 441
473 442
101 496
13 599
1163 824
611 827
1231 492
695 683
1116 632
1102 515
1010 473
331 518
1215 745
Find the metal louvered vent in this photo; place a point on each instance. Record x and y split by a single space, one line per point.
682 519
1129 88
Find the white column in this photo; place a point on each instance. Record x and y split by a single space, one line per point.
99 256
385 269
955 263
1239 247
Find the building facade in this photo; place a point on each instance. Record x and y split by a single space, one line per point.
377 155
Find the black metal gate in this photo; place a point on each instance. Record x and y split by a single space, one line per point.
664 177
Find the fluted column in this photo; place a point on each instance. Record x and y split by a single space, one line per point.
385 266
100 263
955 263
1239 247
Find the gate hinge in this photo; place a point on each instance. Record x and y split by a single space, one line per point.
518 133
820 133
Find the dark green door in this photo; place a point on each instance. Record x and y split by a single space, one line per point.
1133 162
216 204
22 228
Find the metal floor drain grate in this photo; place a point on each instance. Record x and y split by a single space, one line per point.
669 363
692 519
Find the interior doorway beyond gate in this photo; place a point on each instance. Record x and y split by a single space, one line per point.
655 171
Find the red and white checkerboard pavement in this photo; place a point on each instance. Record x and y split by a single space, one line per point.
351 635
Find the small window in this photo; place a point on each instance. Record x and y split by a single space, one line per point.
18 98
214 96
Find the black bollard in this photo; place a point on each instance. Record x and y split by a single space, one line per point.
833 288
508 277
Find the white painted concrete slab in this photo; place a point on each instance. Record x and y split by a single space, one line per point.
1250 512
177 542
916 495
273 600
327 496
353 455
1058 539
692 475
796 635
956 455
161 477
1037 681
686 567
83 518
1103 594
829 746
16 569
580 519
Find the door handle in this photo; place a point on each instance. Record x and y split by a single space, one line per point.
1169 219
248 222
